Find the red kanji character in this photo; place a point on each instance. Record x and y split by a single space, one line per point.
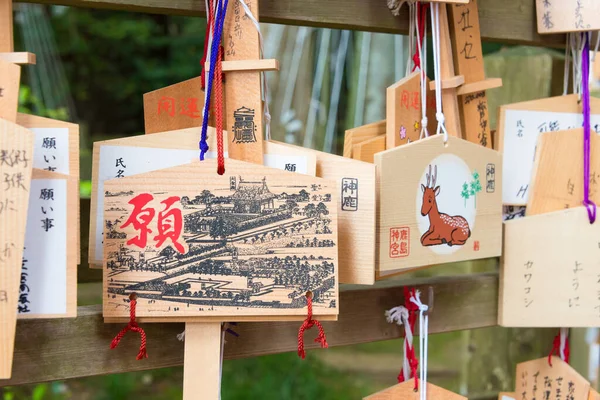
170 224
394 250
476 245
166 104
189 107
405 99
395 235
404 234
404 248
140 218
416 100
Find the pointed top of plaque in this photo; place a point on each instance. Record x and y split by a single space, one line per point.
406 391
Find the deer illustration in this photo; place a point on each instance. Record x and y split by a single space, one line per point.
443 228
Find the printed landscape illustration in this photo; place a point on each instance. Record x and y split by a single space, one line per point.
443 228
243 246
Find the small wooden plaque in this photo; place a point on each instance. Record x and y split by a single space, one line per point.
360 134
49 272
145 153
536 378
519 126
549 271
250 243
16 154
406 391
457 218
366 150
557 179
403 111
558 16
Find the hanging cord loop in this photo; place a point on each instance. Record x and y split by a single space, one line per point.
423 341
560 346
435 36
306 325
134 327
585 85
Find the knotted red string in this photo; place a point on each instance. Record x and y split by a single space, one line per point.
421 17
132 326
410 350
556 349
306 325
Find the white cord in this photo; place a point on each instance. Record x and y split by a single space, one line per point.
181 336
567 65
564 335
435 35
423 342
399 315
265 87
223 328
423 75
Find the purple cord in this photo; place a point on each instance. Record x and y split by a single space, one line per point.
585 67
220 12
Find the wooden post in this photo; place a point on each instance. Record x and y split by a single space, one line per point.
243 92
6 27
202 357
468 60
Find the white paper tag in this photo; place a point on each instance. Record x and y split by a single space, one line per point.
44 274
51 149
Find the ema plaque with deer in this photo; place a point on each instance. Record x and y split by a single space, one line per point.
438 203
192 243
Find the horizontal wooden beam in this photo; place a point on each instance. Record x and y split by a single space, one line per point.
48 350
247 65
22 58
508 21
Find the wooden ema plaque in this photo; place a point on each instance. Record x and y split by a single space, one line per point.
192 243
406 391
468 59
403 111
57 150
365 151
48 286
9 90
559 16
438 203
355 183
548 274
139 154
360 134
538 379
557 180
519 126
16 150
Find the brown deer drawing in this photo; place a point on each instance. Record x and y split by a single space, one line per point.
443 228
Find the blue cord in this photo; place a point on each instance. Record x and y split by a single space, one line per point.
220 12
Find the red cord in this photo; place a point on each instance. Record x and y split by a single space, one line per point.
306 325
132 326
410 350
219 113
421 16
556 349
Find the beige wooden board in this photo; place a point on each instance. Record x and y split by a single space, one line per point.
567 16
355 182
236 250
10 79
201 377
549 271
406 391
507 396
360 134
51 278
403 110
16 149
594 395
244 115
365 151
178 106
557 179
519 126
51 128
412 230
184 139
536 378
